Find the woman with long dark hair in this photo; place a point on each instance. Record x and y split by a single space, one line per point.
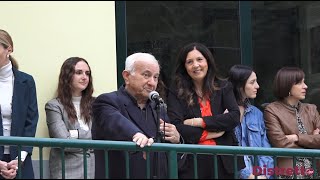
251 132
69 116
197 105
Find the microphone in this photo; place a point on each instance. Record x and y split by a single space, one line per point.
154 96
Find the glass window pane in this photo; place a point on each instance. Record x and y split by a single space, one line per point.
163 27
286 33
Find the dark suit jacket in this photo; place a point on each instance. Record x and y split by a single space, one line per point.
117 117
24 117
220 100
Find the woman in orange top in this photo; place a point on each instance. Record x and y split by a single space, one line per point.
197 102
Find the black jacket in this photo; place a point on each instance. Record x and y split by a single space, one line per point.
220 100
117 117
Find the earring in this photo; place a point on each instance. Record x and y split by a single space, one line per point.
8 55
289 94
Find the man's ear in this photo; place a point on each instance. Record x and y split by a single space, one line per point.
125 75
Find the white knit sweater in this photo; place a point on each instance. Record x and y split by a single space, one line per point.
6 92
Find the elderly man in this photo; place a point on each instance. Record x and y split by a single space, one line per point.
128 115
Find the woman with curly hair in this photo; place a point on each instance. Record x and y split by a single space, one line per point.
69 116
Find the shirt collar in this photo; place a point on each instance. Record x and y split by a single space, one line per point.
133 99
248 109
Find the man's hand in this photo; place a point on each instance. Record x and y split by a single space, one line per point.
170 131
142 140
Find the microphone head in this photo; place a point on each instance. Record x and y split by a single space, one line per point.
153 94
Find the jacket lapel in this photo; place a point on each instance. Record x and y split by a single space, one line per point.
135 114
19 86
155 115
136 117
214 104
1 127
1 134
196 107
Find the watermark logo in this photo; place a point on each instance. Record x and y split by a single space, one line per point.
257 171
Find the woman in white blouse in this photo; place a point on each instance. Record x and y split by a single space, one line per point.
18 112
69 116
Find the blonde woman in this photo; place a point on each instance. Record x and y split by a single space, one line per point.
18 111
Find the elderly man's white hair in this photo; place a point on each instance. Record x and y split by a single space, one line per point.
130 60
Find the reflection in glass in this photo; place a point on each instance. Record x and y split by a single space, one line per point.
163 27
